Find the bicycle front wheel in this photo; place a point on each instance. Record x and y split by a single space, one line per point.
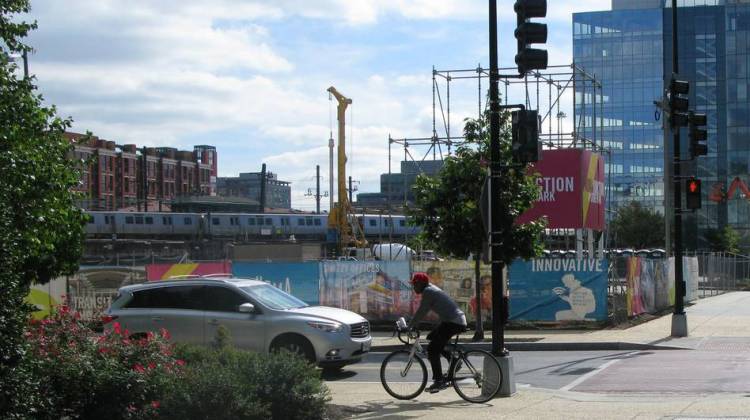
477 376
403 376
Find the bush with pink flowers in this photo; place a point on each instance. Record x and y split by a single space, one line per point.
78 374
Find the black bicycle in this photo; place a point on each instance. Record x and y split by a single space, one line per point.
475 374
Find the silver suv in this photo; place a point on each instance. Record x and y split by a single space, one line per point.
258 315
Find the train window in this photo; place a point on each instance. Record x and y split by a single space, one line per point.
188 221
386 222
300 222
138 220
167 220
215 221
308 221
149 220
402 222
90 219
129 220
317 222
373 222
234 221
284 221
251 221
259 220
269 222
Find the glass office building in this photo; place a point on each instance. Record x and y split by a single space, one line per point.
628 49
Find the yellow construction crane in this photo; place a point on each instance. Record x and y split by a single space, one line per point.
341 217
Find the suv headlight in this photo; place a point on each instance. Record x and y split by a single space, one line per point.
332 327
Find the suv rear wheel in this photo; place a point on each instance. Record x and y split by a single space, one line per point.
295 344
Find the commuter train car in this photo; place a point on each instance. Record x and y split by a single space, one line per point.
104 224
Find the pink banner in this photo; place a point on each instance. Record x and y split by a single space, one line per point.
572 190
165 271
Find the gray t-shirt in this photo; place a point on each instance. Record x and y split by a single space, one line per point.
437 300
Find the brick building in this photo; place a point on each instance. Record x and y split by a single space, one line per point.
115 177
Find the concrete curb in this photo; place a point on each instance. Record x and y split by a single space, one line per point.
535 346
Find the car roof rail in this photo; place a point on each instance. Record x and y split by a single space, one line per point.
217 275
183 276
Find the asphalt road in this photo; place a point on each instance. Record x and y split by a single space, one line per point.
717 365
541 369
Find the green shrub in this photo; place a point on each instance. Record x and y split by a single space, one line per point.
230 383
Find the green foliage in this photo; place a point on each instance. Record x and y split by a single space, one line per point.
223 338
71 372
448 205
229 383
41 231
724 240
638 227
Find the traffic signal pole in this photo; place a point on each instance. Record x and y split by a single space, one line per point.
679 318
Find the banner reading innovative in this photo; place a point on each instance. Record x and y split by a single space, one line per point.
558 289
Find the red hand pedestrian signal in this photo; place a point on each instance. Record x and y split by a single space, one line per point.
693 196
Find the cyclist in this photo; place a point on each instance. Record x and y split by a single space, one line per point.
452 322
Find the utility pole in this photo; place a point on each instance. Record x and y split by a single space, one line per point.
263 188
317 189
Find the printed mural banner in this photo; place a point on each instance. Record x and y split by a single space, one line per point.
558 289
165 271
298 279
651 283
377 290
456 278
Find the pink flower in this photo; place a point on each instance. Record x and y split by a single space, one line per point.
151 365
138 368
165 334
155 404
116 328
180 362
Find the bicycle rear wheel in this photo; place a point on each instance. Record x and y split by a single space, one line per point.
402 376
477 376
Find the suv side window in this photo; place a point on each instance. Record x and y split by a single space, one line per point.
175 297
222 299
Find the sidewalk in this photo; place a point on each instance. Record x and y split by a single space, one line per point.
718 316
711 321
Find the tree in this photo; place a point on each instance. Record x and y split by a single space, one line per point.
724 240
41 230
447 206
638 227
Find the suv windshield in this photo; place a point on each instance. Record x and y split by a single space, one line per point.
273 297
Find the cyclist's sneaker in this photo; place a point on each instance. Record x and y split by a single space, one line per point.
437 386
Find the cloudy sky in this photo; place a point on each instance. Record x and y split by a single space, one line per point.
250 76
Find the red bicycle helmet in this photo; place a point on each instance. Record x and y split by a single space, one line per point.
420 277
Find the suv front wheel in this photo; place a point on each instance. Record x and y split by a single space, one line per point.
295 344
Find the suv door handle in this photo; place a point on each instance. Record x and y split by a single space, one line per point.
214 322
157 319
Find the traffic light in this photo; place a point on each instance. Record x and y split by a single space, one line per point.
530 33
525 136
698 134
678 104
693 193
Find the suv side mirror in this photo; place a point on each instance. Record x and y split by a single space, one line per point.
247 308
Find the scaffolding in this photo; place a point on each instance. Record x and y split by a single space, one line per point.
587 108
